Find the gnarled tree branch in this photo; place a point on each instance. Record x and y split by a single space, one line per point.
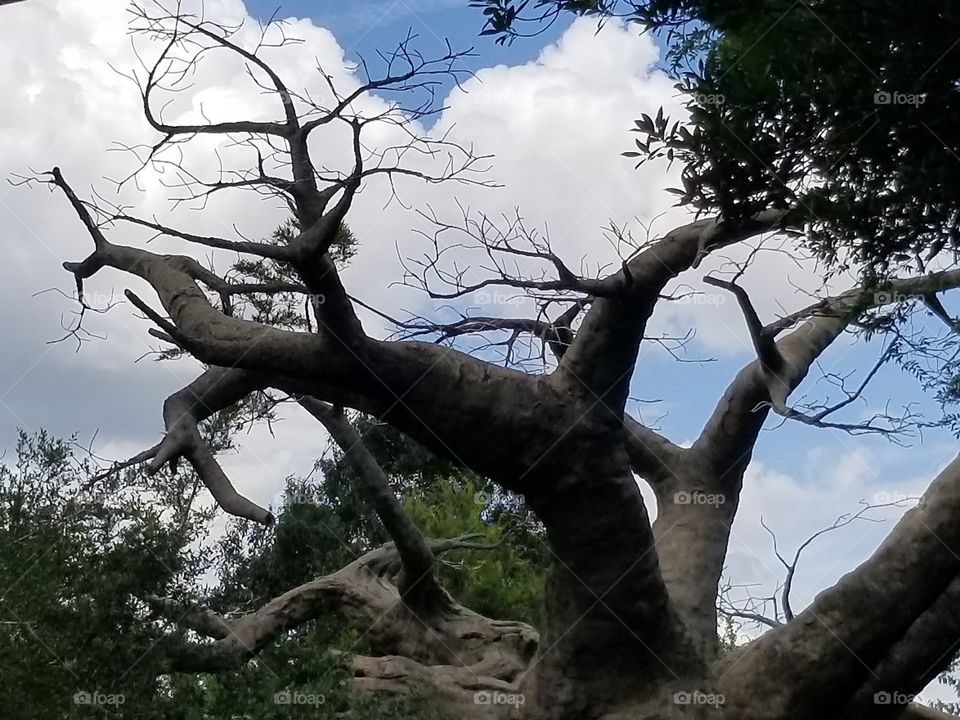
419 569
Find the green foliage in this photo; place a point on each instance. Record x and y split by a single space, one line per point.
77 554
257 563
74 556
446 501
504 582
408 466
951 678
503 17
843 110
843 113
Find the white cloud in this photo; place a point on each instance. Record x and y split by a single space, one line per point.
831 482
556 128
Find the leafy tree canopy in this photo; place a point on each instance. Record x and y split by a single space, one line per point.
844 111
80 550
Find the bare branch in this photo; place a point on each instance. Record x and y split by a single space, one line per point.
362 595
273 252
215 389
735 424
602 358
418 575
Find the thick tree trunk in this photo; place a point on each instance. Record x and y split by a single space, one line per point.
692 533
610 634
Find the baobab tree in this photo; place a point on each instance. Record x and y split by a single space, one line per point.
630 628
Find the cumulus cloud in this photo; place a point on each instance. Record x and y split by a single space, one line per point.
555 127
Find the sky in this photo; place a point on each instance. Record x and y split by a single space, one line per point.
554 113
368 26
